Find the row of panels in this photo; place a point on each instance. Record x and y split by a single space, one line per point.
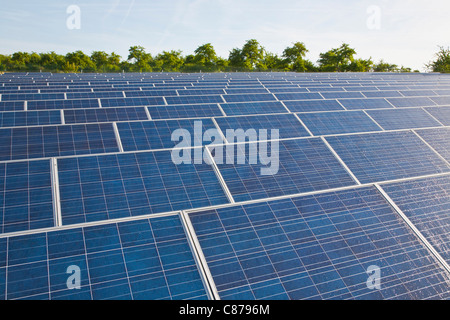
340 100
37 194
320 246
34 142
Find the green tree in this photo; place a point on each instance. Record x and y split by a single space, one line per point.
441 62
52 61
169 61
206 57
236 60
79 61
337 60
383 66
100 58
294 57
141 61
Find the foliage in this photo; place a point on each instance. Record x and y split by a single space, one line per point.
251 57
442 62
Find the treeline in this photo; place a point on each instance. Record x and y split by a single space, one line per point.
251 57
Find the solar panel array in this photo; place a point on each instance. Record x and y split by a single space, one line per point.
89 188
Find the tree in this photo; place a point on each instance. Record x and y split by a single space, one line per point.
236 59
337 60
360 65
205 56
52 61
139 59
442 62
252 53
79 61
383 66
100 58
169 61
295 57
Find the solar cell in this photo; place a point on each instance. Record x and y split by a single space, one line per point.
395 119
313 105
342 95
11 106
132 102
186 111
299 96
128 185
148 259
316 247
387 156
411 102
29 118
365 104
52 141
287 124
248 108
442 114
426 202
194 100
328 123
104 115
234 98
63 104
152 135
441 101
304 165
439 139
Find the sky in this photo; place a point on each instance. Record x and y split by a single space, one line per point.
406 33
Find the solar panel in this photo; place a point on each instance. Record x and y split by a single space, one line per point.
425 202
52 141
411 102
313 105
304 165
185 111
442 114
194 100
248 108
234 98
360 104
354 190
152 135
287 125
316 247
439 139
395 119
26 196
147 259
29 118
128 185
328 123
387 156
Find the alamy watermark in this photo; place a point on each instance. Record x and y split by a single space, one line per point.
374 17
73 21
235 152
374 280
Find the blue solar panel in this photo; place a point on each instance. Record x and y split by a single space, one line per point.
124 185
200 92
298 96
132 102
313 105
63 104
439 139
151 93
287 125
248 108
11 106
441 101
328 123
316 247
148 259
152 135
426 203
381 94
418 93
245 90
342 95
359 104
304 165
411 102
185 111
104 115
194 100
394 119
31 96
441 113
234 98
52 141
25 196
29 118
387 156
92 95
288 90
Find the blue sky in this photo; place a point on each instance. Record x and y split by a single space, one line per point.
402 32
